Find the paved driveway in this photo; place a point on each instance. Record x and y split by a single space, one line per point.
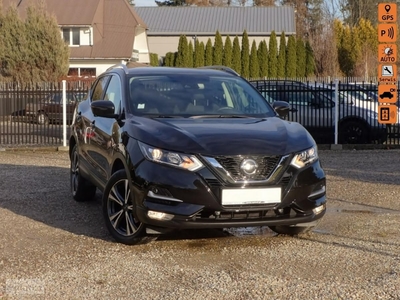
54 248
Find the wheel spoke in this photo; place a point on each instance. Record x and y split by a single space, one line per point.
130 226
74 165
115 196
115 219
127 192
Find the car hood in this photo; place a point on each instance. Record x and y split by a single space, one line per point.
222 136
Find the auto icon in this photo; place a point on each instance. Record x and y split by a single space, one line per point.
386 95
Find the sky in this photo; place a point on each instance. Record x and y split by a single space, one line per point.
145 3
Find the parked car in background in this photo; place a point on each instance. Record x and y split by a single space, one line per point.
185 148
313 106
50 108
366 96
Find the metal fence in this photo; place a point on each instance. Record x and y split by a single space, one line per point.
33 116
318 104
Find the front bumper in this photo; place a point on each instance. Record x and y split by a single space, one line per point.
173 198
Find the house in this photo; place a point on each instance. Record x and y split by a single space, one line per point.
100 33
166 24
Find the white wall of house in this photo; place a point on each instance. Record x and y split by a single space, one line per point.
164 44
86 36
100 65
141 45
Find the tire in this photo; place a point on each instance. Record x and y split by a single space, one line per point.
82 190
119 211
292 230
353 132
42 118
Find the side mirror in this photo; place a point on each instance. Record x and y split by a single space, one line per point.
103 108
282 108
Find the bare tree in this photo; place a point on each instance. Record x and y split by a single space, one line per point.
263 2
355 10
325 52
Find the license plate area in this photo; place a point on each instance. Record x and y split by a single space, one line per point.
256 196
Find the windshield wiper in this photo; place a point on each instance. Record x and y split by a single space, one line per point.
161 116
220 116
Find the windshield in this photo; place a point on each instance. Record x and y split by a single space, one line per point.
187 95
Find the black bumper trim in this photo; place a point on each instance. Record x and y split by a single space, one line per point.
184 223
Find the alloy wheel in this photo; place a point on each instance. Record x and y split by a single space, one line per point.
74 172
120 209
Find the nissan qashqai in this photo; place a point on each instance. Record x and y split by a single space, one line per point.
187 148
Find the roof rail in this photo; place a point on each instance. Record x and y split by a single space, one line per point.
119 66
222 68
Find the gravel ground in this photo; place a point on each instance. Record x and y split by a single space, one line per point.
54 248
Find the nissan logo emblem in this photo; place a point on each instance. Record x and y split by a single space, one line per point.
248 166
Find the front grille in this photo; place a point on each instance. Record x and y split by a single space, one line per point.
213 182
266 165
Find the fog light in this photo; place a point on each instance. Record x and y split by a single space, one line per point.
319 209
159 215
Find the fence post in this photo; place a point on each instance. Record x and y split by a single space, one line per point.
64 97
336 110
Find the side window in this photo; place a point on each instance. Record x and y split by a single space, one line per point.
113 93
300 98
99 87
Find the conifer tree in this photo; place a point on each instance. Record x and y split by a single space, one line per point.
301 58
202 54
236 65
168 60
282 56
196 54
272 55
218 50
190 55
291 60
348 51
208 58
182 56
245 55
32 49
254 71
263 58
13 39
227 55
310 61
154 59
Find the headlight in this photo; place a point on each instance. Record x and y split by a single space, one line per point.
372 115
180 160
304 158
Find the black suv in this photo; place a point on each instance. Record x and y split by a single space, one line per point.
177 148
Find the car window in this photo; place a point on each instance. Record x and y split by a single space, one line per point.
301 97
195 95
99 87
57 98
113 93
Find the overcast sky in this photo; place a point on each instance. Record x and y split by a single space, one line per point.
145 3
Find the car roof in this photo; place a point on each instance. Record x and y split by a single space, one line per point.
142 71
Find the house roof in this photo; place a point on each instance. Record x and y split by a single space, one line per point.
227 20
114 23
